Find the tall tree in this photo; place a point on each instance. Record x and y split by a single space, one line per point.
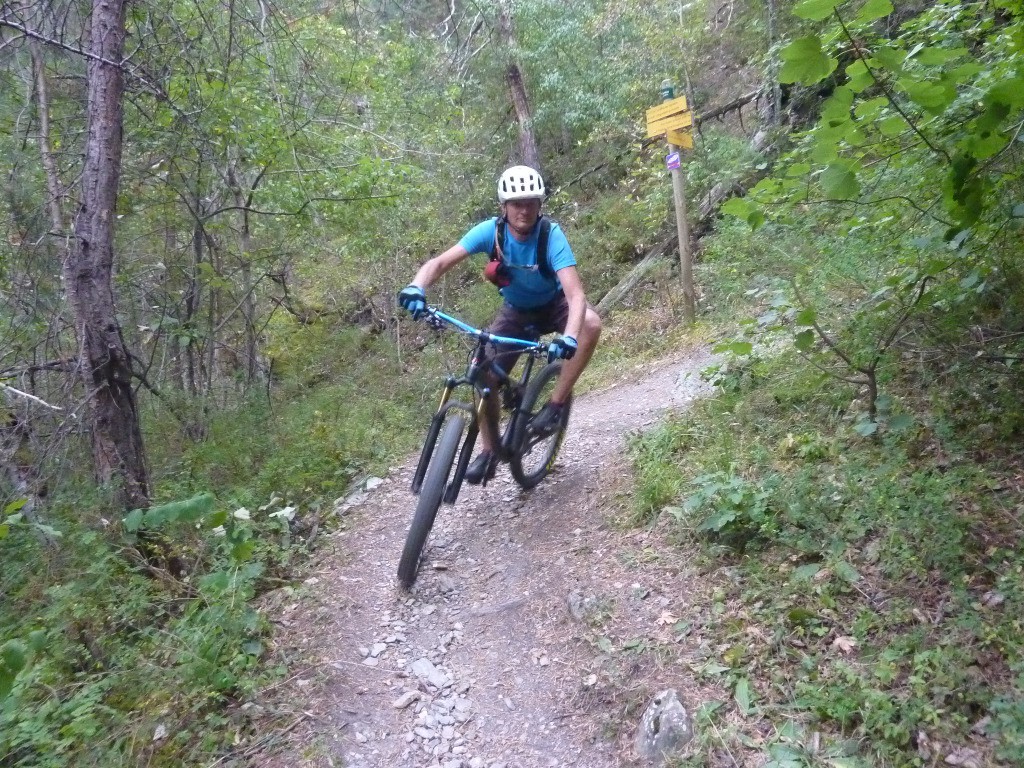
528 154
104 363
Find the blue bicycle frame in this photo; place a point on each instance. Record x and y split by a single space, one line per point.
474 377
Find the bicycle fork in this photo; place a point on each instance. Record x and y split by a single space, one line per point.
432 432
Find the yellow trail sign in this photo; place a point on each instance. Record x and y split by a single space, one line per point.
666 108
658 127
667 116
682 139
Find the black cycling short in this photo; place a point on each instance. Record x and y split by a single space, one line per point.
528 324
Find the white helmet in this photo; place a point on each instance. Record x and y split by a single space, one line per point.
520 182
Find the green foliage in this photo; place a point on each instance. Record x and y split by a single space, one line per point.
13 655
660 480
805 62
876 572
720 158
735 367
917 131
1008 713
99 648
321 433
924 83
364 143
731 507
189 511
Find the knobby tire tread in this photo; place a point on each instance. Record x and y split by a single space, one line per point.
431 493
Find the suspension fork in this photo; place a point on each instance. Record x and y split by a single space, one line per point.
432 432
451 493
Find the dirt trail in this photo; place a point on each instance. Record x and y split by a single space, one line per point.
489 662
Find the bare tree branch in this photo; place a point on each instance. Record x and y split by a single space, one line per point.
26 395
298 211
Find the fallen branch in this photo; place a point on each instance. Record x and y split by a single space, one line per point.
53 365
631 280
723 110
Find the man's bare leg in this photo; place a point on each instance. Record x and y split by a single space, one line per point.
571 369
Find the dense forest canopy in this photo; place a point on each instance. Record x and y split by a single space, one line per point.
209 206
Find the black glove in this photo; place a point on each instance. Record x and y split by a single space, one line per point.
562 348
413 300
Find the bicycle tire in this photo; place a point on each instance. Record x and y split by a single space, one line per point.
431 493
533 458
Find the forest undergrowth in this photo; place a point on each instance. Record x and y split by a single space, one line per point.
866 572
137 639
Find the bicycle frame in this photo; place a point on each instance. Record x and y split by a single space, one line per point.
474 377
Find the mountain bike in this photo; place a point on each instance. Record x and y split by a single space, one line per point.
455 426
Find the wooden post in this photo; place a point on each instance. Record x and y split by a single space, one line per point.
682 229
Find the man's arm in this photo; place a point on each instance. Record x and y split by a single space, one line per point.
576 298
434 268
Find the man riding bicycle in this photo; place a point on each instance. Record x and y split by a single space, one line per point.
535 271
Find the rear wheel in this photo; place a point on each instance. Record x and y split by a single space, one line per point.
431 493
534 455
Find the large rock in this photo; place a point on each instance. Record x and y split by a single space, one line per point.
665 728
426 671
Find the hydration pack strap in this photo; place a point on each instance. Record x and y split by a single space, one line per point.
542 244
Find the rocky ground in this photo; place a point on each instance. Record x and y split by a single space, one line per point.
518 645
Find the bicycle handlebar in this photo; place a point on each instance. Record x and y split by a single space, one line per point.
438 318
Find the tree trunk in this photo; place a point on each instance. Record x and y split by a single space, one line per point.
191 310
773 64
528 154
16 453
103 359
248 305
54 188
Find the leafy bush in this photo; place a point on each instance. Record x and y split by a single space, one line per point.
659 477
109 665
731 507
1008 723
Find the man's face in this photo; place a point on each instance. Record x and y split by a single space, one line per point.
522 214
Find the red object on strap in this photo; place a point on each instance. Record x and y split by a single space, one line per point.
496 272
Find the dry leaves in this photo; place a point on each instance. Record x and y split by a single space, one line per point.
844 643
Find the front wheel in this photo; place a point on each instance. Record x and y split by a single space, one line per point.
431 493
533 455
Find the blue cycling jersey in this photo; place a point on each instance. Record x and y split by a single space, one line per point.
529 287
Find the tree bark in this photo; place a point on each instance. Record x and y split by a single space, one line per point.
248 305
191 310
104 362
528 154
